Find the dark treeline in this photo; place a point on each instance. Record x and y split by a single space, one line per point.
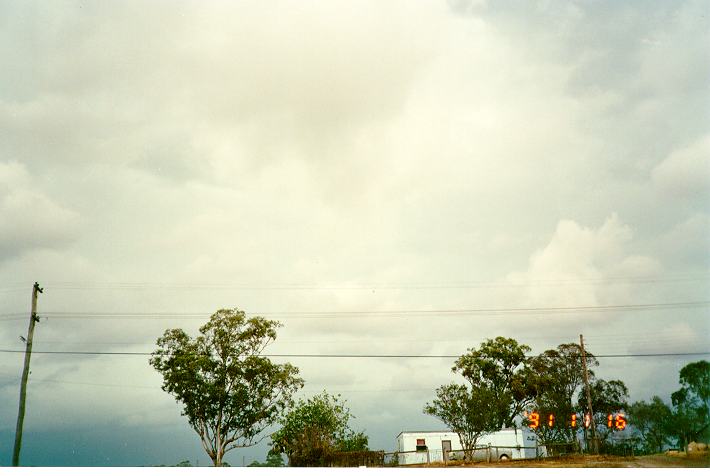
233 395
547 393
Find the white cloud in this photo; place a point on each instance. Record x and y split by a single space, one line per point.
686 243
576 254
685 173
30 219
356 149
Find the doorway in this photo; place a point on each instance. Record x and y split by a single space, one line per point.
445 449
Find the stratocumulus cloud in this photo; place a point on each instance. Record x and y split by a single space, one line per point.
379 176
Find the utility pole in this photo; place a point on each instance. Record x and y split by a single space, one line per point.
25 373
589 396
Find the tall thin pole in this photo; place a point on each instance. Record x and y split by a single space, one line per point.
589 395
25 373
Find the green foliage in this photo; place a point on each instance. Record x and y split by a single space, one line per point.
555 378
653 421
607 398
691 406
353 442
695 377
273 460
688 420
469 412
229 392
315 429
498 368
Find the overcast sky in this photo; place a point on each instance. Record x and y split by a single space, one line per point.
331 157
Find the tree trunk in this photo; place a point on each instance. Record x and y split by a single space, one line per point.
468 450
217 460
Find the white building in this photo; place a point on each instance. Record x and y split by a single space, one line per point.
418 447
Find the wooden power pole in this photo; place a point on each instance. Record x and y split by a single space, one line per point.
25 373
589 396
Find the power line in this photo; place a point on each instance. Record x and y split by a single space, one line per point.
615 339
115 385
657 337
13 316
91 384
384 313
78 285
352 356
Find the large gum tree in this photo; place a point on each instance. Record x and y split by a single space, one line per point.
495 392
230 392
499 366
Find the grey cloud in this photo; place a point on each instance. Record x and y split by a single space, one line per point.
466 7
685 173
29 218
172 157
638 71
341 148
686 244
276 89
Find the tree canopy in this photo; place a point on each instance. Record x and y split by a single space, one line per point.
470 412
497 367
608 398
695 379
555 377
688 419
496 392
273 460
316 428
229 392
691 406
653 421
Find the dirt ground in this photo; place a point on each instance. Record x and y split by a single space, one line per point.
680 460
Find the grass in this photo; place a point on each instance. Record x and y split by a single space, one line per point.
664 460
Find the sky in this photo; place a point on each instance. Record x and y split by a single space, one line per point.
376 175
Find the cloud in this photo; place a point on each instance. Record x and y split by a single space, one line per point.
678 337
234 86
685 173
686 243
30 219
588 259
466 7
382 156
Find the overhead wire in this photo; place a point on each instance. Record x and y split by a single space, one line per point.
98 315
157 387
620 337
368 356
407 313
84 285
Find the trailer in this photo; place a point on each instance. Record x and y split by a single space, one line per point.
423 447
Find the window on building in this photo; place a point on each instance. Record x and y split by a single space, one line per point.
421 444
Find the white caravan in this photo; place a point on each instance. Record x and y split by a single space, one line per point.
419 447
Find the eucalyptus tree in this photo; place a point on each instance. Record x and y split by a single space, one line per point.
653 421
470 412
556 377
500 367
229 392
496 391
691 403
608 398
